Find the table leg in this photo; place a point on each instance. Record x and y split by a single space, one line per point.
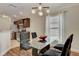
34 52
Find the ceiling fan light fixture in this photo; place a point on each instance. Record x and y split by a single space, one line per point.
39 9
48 11
40 13
33 11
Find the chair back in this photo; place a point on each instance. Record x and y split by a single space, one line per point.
34 35
24 36
69 51
24 40
67 46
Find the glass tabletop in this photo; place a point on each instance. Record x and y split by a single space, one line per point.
39 45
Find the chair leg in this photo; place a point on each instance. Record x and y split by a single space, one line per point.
69 53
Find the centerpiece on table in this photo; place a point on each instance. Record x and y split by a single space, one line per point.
42 38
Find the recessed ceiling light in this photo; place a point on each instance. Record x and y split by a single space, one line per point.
14 15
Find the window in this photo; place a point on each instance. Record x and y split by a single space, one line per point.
54 27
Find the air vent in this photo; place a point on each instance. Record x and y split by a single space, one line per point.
11 5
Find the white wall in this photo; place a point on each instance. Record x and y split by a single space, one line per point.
5 42
37 24
71 25
5 23
5 38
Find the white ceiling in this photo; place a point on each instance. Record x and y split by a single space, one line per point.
6 9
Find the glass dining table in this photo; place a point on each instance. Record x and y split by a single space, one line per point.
41 47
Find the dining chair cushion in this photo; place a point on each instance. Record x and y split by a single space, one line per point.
52 52
59 46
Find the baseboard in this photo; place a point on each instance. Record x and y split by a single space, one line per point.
75 51
3 53
14 46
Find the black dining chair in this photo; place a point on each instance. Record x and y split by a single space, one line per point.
65 51
34 35
60 46
24 40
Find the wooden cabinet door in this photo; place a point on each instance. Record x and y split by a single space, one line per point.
26 22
